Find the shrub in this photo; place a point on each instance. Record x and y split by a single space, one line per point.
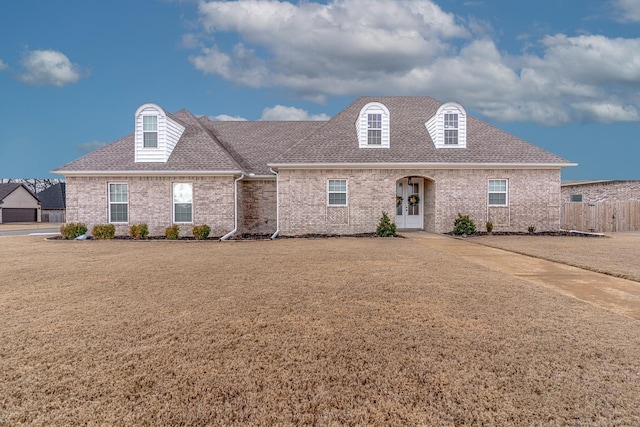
201 232
386 228
531 229
489 226
173 232
139 231
103 231
72 230
464 225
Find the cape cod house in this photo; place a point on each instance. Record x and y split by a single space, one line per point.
420 160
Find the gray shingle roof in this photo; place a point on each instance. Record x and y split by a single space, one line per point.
7 188
216 146
53 197
337 142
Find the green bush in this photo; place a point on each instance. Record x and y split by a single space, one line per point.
531 229
464 225
72 230
201 232
489 226
103 231
386 228
173 232
139 231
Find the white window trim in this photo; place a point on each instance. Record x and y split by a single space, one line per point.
346 192
173 204
150 131
506 192
109 202
436 126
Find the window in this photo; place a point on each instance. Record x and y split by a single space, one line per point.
150 131
182 202
451 129
498 192
337 194
118 203
576 198
374 129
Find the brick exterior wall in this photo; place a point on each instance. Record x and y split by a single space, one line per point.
533 199
150 202
257 207
613 191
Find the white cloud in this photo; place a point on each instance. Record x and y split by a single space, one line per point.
280 112
627 10
226 118
48 67
3 66
413 47
90 146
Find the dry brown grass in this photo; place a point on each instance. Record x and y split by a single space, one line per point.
618 254
298 332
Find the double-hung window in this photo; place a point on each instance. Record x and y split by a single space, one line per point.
451 129
118 203
374 127
150 131
497 192
182 202
337 192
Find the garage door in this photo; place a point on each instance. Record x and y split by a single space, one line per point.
19 215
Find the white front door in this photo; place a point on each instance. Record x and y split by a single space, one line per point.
409 203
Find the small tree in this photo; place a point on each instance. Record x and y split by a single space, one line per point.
386 228
464 225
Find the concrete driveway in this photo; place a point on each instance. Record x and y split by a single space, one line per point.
26 228
621 296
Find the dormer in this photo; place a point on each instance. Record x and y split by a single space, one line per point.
448 127
156 134
372 126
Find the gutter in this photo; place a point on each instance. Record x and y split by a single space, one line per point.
417 165
274 235
235 197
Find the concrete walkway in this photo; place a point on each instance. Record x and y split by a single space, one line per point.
621 296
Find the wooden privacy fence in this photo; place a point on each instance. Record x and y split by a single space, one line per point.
601 217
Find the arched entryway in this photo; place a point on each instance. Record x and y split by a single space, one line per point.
414 201
409 203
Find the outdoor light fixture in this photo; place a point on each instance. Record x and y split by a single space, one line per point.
409 182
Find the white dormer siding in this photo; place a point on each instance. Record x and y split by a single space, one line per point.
448 127
150 119
372 126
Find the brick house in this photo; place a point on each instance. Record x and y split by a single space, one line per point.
601 191
420 160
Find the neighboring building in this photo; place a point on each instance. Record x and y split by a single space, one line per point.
18 204
416 158
600 191
53 201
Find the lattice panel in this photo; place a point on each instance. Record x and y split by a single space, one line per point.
338 216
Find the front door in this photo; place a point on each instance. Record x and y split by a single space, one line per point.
409 202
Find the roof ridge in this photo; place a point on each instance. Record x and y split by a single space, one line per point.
215 140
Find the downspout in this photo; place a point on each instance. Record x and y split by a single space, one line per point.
274 235
235 196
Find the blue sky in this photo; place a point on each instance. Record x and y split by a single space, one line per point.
562 74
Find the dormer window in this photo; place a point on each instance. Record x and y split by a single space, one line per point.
150 131
156 134
448 127
372 126
375 129
451 129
